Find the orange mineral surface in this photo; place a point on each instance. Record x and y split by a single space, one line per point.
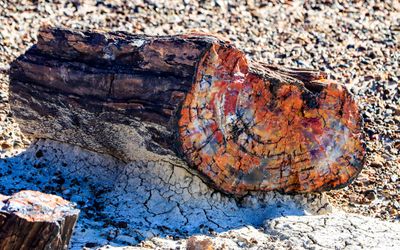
258 128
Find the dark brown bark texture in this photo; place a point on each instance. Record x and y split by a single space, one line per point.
33 220
245 126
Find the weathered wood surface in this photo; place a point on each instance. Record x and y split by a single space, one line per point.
33 220
245 126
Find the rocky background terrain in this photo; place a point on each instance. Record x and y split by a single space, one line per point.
354 42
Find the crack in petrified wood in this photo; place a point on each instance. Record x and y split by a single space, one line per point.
244 126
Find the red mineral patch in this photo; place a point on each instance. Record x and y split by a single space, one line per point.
255 130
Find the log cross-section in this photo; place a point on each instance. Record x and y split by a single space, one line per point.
34 220
245 126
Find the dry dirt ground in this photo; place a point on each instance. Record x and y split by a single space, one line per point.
356 42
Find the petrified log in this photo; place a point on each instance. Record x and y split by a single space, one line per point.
33 220
246 126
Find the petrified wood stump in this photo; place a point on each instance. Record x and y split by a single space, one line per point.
245 126
33 220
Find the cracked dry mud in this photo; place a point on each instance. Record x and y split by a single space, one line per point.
341 231
160 205
124 204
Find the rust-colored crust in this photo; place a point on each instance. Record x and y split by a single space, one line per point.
34 206
259 127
